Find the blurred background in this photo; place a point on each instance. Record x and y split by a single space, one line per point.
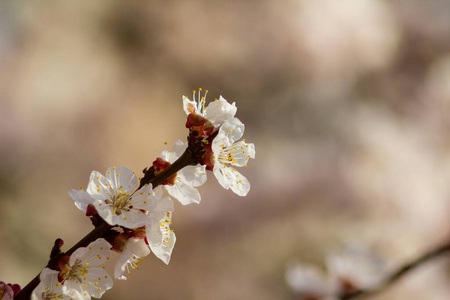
346 101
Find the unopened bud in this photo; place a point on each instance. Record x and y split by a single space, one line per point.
195 120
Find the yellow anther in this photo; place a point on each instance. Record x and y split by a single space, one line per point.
118 175
229 131
114 168
98 177
81 187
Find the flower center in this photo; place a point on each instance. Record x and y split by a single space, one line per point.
226 155
119 203
76 272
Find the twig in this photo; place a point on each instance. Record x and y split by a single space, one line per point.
398 274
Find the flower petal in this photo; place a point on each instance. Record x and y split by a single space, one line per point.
122 178
184 193
220 110
82 199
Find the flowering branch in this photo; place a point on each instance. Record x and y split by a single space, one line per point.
133 216
445 249
103 228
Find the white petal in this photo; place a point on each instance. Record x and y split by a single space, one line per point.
184 193
122 177
97 282
95 254
164 250
189 106
165 155
99 187
233 130
242 153
230 178
177 150
82 199
154 235
193 175
220 110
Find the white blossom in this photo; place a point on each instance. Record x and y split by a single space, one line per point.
80 277
185 183
50 288
356 266
113 198
217 111
230 153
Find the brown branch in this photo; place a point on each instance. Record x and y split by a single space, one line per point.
398 274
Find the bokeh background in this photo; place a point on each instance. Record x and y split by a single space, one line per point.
346 101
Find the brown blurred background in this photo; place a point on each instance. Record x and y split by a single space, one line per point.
347 102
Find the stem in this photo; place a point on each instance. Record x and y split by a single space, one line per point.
399 273
188 158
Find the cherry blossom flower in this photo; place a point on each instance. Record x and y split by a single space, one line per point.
50 288
216 112
229 153
346 271
80 277
82 273
131 256
113 198
182 186
356 267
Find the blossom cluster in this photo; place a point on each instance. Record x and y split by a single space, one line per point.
139 211
347 271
